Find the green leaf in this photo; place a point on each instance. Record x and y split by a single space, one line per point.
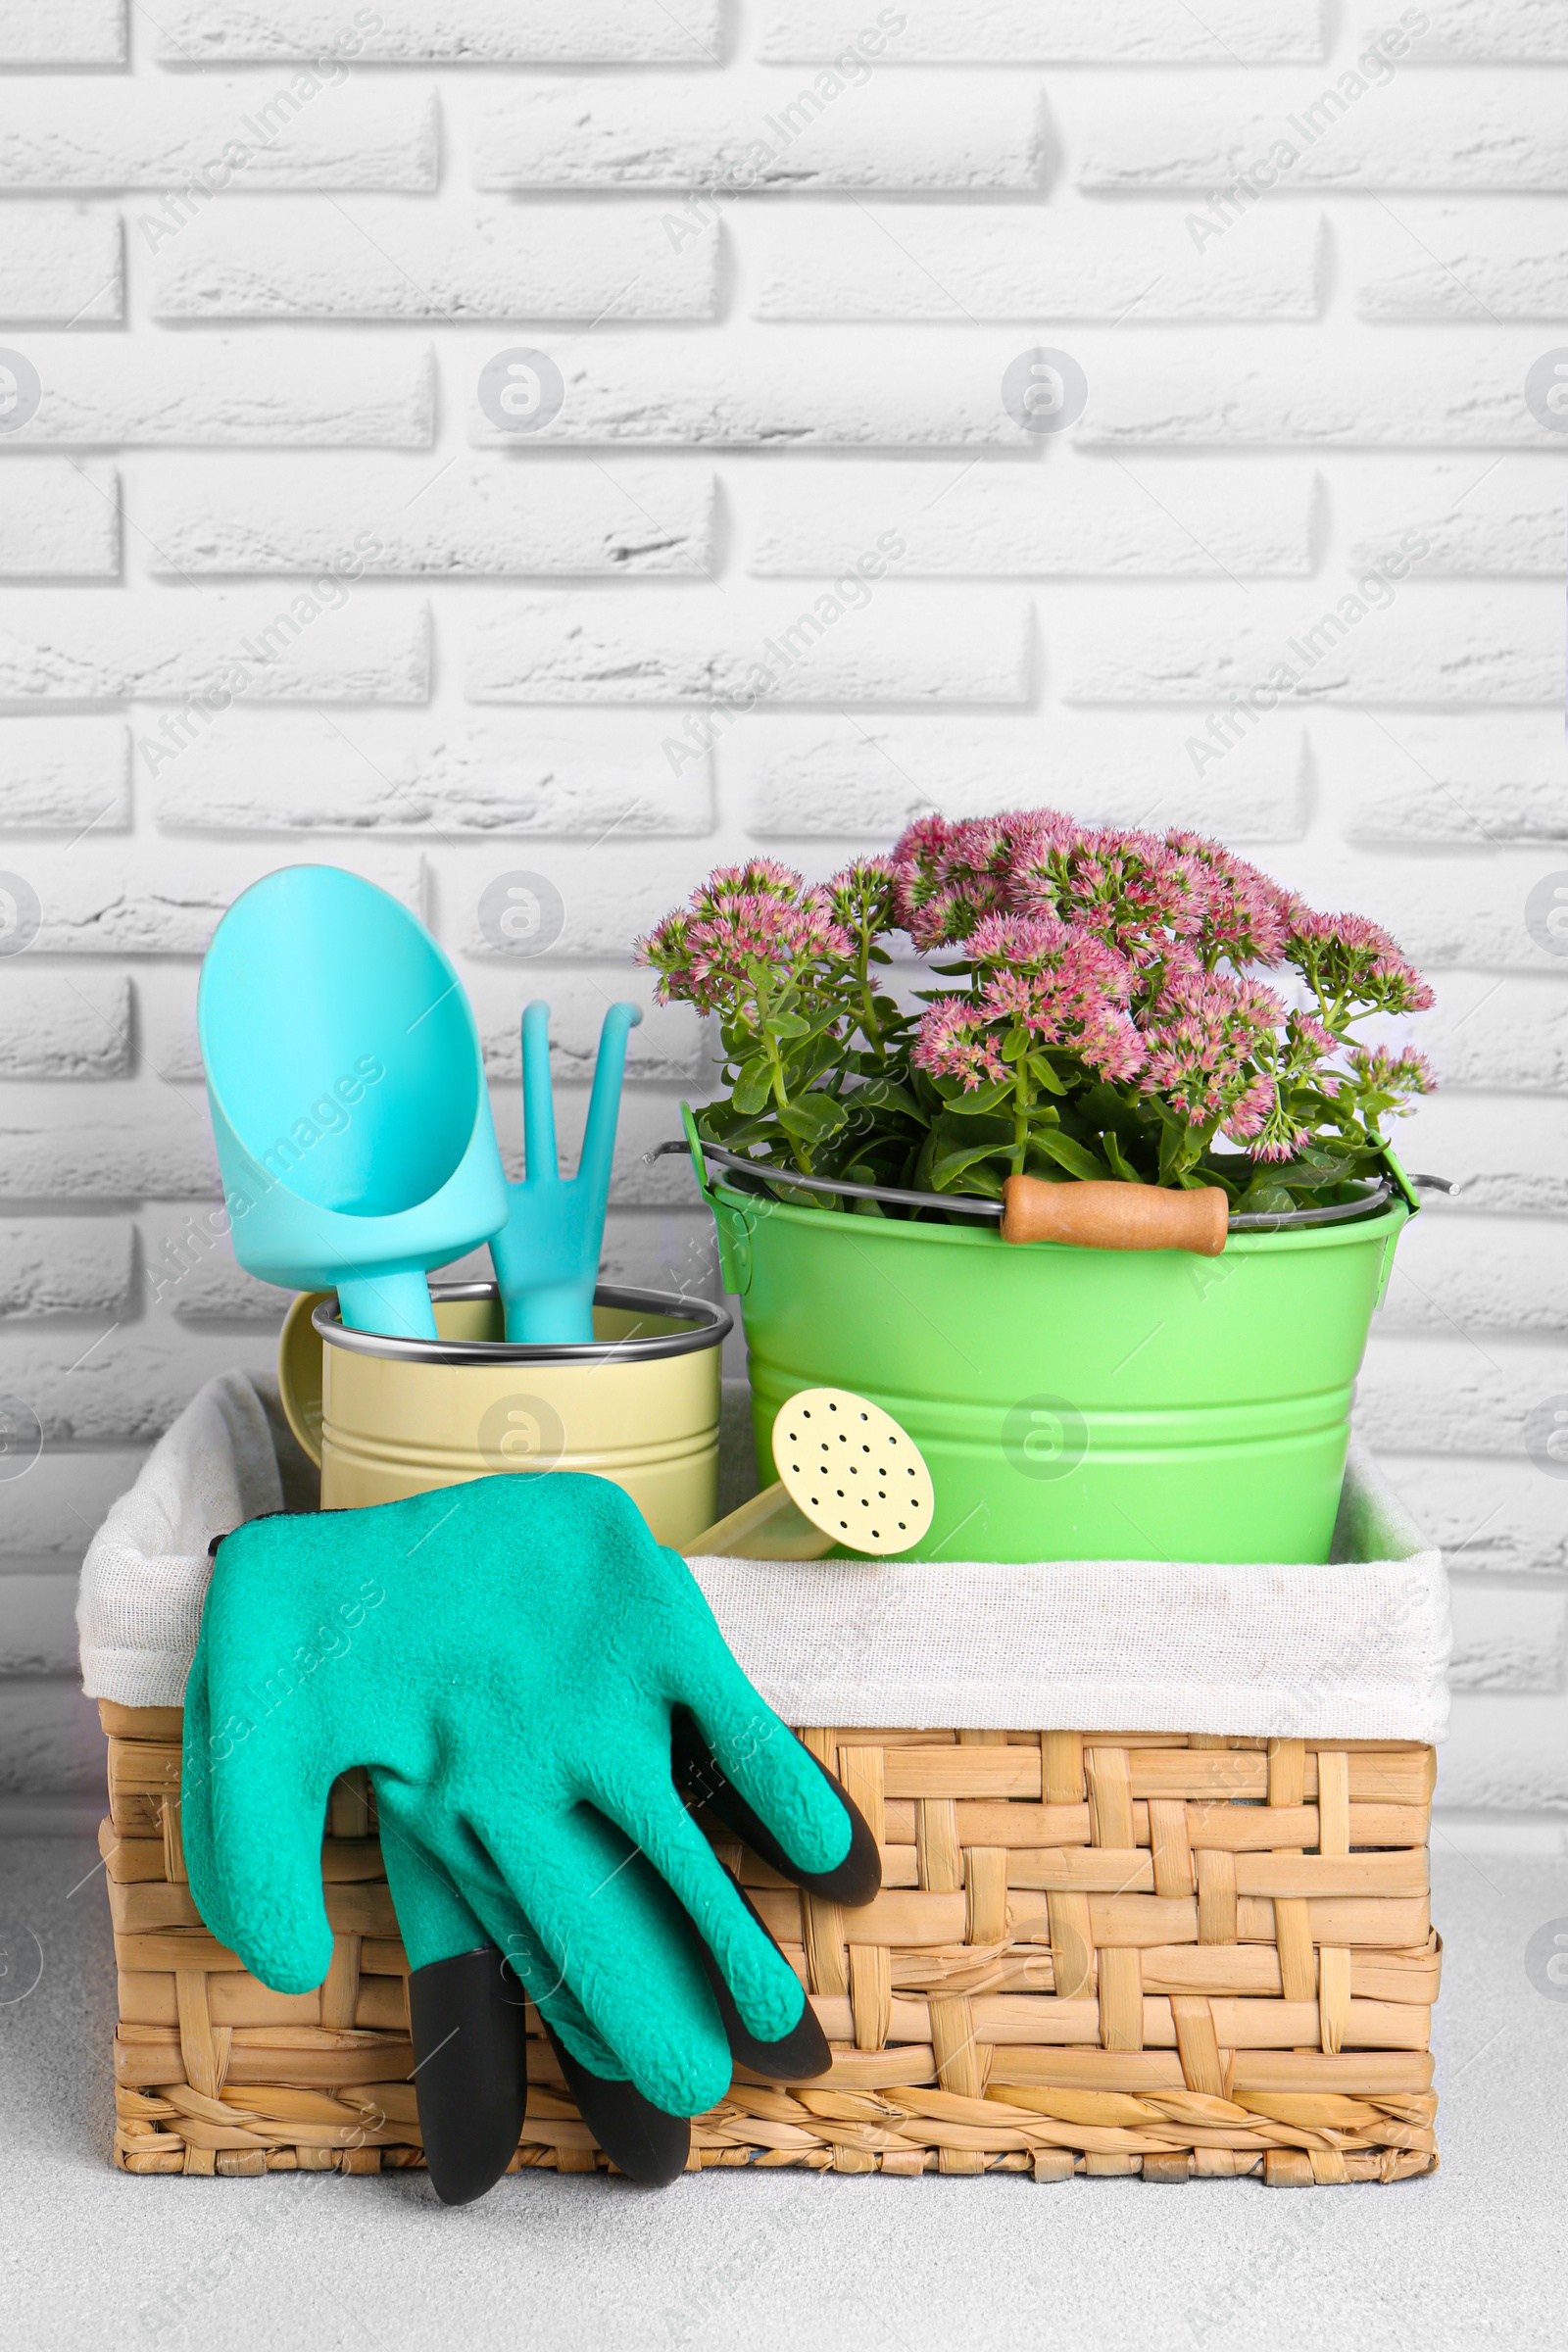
1174 1147
1118 1164
969 1135
1266 1198
947 1166
753 1087
978 1100
1044 1073
1075 1157
1299 1177
787 1024
885 1094
813 1117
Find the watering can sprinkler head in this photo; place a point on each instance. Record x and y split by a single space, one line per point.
850 1477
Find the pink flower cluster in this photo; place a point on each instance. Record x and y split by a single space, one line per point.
1374 1069
948 876
1064 986
1130 956
761 913
1346 955
1108 941
1149 896
1205 1032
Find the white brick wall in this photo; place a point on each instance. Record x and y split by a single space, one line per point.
781 253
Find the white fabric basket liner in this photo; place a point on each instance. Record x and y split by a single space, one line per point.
1354 1650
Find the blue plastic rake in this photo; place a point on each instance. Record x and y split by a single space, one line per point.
546 1255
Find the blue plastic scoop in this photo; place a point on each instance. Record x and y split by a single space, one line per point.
546 1256
348 1096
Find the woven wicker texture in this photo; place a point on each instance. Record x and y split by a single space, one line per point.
1111 1952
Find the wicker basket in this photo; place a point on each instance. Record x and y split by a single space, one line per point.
1093 1952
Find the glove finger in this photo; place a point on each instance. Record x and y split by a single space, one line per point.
768 1993
457 1898
470 2053
435 1918
470 2071
855 1879
252 1818
258 1803
760 1757
802 2055
464 2019
202 1867
644 2143
257 1762
624 1948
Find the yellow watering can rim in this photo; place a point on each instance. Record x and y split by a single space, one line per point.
708 1325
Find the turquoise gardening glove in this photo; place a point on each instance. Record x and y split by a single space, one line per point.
512 1660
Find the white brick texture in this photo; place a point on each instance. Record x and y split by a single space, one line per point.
65 1025
316 258
1063 520
1453 31
1408 129
1479 1275
828 777
1495 778
1337 641
266 390
111 902
898 390
1132 32
418 519
442 33
64 774
60 264
312 129
58 520
1427 387
780 560
897 645
984 263
295 771
892 132
1499 260
315 643
61 32
1506 517
64 1267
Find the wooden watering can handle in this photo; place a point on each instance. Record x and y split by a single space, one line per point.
1115 1217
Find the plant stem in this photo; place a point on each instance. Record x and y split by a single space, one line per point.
781 1091
1020 1119
862 981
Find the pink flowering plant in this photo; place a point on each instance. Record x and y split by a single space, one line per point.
1104 1015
